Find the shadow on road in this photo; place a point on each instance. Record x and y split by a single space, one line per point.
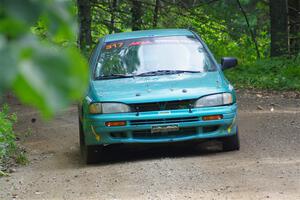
116 154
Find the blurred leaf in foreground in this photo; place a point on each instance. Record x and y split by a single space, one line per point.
46 74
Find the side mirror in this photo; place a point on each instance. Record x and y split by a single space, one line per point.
228 62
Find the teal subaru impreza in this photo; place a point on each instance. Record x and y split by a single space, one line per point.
156 86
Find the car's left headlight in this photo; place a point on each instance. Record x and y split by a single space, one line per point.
106 108
215 100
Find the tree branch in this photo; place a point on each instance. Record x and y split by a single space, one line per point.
249 28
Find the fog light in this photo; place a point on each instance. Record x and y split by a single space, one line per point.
212 117
120 123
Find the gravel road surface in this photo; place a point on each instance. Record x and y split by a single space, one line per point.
266 167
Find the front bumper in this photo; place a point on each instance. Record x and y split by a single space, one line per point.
138 128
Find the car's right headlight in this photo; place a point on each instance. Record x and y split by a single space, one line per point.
215 100
95 108
106 108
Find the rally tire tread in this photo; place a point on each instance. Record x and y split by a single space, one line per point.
231 143
90 154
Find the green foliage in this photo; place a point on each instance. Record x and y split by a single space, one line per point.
274 74
7 135
38 56
3 173
226 33
10 152
21 158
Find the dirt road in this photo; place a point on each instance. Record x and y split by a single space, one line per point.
266 167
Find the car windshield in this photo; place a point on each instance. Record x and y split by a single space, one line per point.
145 56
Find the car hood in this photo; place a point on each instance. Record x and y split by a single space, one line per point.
157 88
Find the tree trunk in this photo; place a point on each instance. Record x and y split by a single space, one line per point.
279 27
155 13
294 26
136 14
84 18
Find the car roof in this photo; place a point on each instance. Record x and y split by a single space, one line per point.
147 33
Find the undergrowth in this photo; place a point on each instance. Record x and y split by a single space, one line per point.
272 74
10 152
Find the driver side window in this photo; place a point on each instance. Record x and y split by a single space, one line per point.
94 55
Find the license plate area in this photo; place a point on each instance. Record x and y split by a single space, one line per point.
164 128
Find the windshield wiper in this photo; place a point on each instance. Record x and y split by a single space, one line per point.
113 76
152 73
165 72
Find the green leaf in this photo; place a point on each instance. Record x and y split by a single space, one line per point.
8 63
49 78
26 11
41 73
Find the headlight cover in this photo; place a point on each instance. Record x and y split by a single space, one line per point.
214 100
95 108
106 108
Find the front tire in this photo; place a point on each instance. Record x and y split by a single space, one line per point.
90 154
231 143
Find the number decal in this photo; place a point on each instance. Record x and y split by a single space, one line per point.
114 45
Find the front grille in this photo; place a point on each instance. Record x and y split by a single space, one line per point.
208 129
166 105
164 120
183 132
118 135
